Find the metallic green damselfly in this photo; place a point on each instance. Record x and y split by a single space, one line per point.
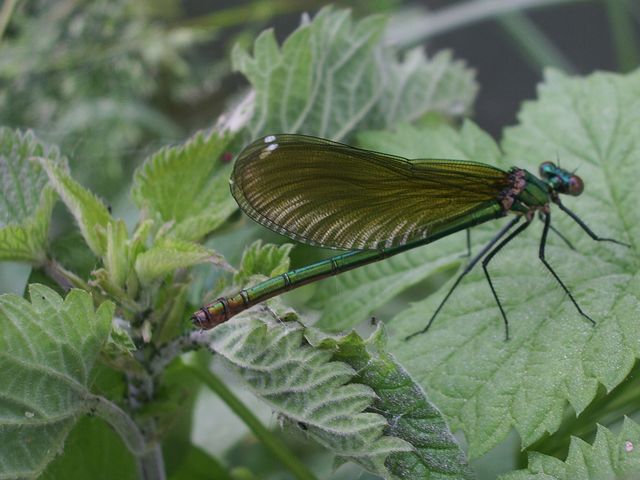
331 195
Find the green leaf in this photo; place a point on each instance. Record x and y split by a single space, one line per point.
118 278
116 259
351 297
186 187
90 213
258 259
350 396
610 457
418 85
117 353
170 312
49 348
333 76
196 464
486 386
168 255
93 450
27 201
403 403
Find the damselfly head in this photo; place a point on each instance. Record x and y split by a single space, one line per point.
561 180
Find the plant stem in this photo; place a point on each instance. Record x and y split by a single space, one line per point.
534 45
461 14
256 11
64 277
151 465
5 14
121 422
148 455
182 344
268 439
624 39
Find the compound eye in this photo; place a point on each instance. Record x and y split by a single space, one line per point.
576 185
546 169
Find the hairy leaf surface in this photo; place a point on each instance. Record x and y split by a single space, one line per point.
612 456
26 199
185 188
555 357
49 348
89 212
333 75
348 395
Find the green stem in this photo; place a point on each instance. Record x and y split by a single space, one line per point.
534 45
121 422
462 14
148 455
277 448
63 277
151 465
167 353
624 39
256 11
5 14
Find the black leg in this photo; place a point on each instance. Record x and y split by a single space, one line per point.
586 228
541 255
272 312
468 254
485 264
558 232
466 270
565 239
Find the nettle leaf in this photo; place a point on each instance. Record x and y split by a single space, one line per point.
409 414
90 213
417 85
349 298
610 457
259 259
49 348
305 386
187 186
116 259
333 75
486 386
27 200
118 352
169 254
169 312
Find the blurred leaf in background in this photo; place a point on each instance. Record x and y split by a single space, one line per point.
334 75
88 76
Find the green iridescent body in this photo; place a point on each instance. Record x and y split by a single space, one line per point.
328 194
224 308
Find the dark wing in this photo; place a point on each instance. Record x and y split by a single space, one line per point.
328 194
